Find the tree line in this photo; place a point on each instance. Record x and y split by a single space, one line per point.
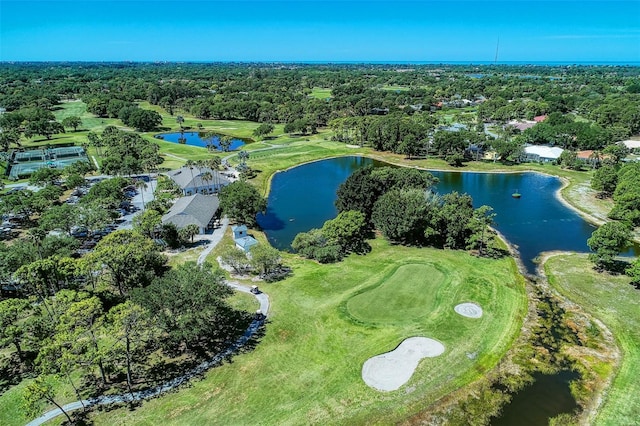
607 99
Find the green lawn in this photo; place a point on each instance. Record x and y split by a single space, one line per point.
410 293
244 302
395 88
89 121
616 303
11 401
320 93
307 367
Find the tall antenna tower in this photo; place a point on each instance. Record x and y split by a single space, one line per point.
495 60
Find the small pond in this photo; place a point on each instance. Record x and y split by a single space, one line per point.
534 405
200 139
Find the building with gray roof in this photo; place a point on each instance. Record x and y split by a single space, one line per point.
195 209
198 180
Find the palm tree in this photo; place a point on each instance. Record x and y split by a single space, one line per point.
225 143
141 185
208 138
199 165
190 231
214 164
595 157
36 236
191 165
207 177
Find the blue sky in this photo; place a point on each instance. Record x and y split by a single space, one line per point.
306 30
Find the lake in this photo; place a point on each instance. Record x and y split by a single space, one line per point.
303 197
198 139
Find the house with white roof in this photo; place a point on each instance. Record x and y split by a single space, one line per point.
630 144
541 153
198 180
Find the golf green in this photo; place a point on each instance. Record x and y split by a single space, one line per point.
407 294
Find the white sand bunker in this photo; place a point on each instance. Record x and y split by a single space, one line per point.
389 371
469 310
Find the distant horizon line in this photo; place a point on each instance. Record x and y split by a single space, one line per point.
327 62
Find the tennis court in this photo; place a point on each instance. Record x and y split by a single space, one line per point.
26 162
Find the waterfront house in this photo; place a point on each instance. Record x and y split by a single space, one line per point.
541 153
631 144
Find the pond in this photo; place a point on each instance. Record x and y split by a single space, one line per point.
303 197
546 397
200 139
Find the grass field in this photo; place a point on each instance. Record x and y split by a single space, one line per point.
408 294
89 121
395 88
320 93
307 368
616 303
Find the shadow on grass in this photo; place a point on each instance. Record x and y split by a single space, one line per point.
13 370
184 357
614 267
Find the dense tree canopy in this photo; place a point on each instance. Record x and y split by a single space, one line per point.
129 259
241 202
337 238
606 242
362 189
189 304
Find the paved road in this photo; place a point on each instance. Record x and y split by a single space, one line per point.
262 298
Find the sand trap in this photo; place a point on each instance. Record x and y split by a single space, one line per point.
389 371
469 310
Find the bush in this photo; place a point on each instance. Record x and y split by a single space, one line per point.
454 159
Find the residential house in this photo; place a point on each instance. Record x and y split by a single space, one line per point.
195 209
379 111
198 180
631 144
541 153
591 158
521 125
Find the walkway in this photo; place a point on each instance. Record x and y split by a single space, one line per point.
262 298
216 237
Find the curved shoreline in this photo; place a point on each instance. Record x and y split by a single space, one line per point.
565 182
589 411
